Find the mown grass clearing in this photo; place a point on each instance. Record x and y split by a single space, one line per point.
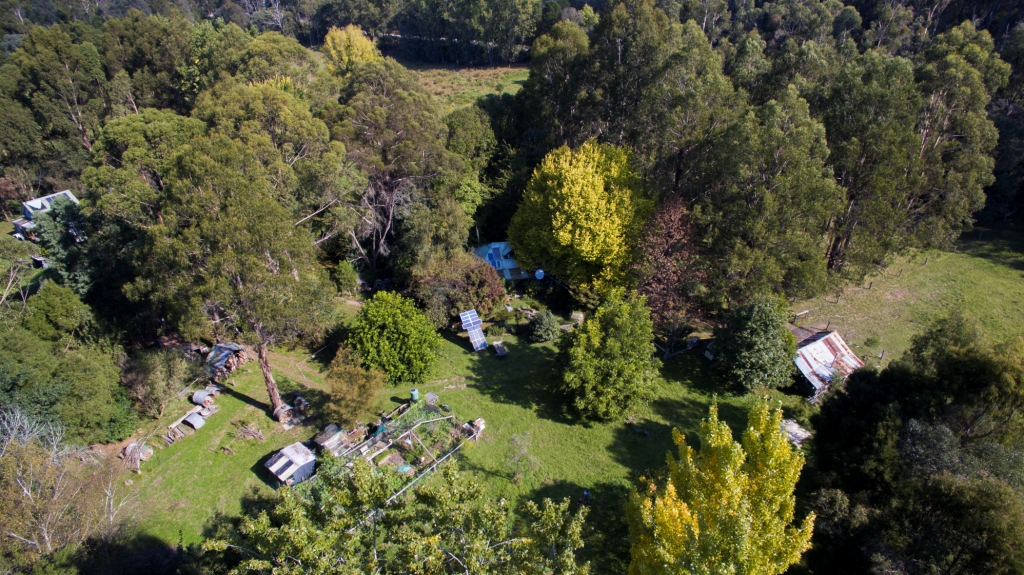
984 278
457 87
185 484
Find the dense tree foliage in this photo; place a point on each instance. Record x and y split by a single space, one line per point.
728 507
921 460
392 336
580 216
711 154
607 368
753 348
342 524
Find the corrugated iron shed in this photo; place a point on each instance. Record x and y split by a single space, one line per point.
292 464
822 357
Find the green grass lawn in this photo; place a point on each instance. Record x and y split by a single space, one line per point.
984 278
185 484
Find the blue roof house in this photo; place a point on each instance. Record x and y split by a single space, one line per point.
499 256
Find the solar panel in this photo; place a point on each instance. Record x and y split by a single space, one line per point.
471 323
470 319
476 337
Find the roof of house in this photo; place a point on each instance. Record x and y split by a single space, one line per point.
286 462
499 255
823 356
44 203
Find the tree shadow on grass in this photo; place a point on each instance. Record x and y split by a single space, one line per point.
526 378
642 447
606 534
1002 244
229 391
129 554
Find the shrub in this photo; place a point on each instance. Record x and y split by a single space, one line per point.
447 286
153 378
345 277
607 368
352 388
392 336
495 330
754 348
543 326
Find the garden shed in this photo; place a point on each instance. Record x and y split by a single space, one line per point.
822 358
292 464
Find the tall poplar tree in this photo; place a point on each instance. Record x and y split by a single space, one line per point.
728 508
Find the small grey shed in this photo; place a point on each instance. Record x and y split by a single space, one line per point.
195 421
292 464
203 398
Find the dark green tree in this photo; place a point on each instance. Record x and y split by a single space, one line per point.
754 348
227 256
543 326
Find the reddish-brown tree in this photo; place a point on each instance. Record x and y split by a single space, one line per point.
668 273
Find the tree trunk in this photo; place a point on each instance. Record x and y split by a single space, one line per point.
276 402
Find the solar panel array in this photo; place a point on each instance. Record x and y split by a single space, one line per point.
471 323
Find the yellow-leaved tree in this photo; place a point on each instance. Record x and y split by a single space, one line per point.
728 508
346 47
580 215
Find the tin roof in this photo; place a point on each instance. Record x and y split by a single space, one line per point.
45 203
195 420
286 462
824 355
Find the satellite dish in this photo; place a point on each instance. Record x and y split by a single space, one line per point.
539 274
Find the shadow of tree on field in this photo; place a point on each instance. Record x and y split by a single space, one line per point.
526 378
606 534
1002 244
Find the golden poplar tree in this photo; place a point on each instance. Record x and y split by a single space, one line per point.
728 508
348 46
580 216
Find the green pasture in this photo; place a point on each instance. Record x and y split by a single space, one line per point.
185 484
983 277
457 87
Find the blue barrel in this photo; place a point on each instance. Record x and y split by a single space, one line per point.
414 394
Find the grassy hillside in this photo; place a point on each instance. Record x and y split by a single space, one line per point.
984 277
185 484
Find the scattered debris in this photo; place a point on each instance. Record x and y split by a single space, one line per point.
134 454
247 430
796 434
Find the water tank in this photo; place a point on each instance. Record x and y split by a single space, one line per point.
414 394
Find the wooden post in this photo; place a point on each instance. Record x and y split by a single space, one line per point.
881 355
870 284
828 325
901 272
926 261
